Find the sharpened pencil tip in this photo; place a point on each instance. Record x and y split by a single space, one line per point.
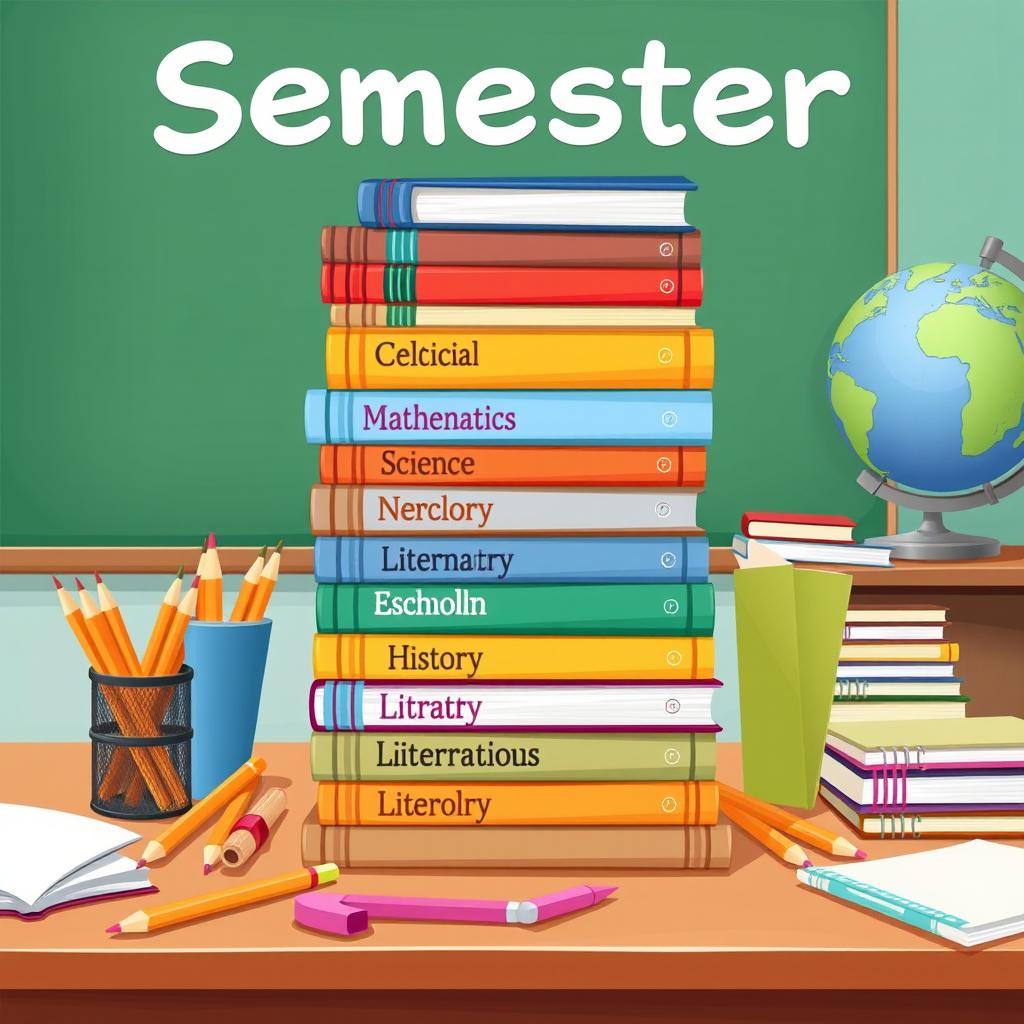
279 545
114 929
181 572
141 862
99 578
207 868
57 583
211 540
807 864
205 543
195 582
79 584
263 551
861 855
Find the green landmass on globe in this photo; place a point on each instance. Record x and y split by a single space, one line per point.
926 377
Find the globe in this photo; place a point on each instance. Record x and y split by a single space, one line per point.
926 377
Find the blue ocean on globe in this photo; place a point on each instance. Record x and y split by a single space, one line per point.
926 377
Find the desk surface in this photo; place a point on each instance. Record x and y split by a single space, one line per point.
749 927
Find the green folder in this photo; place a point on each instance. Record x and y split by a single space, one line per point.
789 627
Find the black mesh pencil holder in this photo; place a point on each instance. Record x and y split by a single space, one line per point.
141 744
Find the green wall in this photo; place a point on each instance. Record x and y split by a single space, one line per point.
961 152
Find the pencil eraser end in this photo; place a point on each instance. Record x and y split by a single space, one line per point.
325 912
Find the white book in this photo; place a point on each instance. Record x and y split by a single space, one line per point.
896 670
49 858
904 632
969 893
895 710
832 554
542 316
854 689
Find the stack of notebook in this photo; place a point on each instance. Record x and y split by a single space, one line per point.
895 663
514 661
808 538
927 778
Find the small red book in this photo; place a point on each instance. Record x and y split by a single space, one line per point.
533 286
794 526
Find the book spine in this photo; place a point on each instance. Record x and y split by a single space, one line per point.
491 559
577 418
374 706
582 609
342 244
453 656
527 358
515 466
408 315
697 847
866 652
513 803
512 757
514 285
511 511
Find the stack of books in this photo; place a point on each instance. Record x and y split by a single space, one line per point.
896 664
808 538
910 779
514 660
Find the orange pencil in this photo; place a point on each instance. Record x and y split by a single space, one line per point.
74 618
218 834
210 607
111 611
773 841
252 577
172 837
227 899
101 633
168 662
162 624
201 604
265 587
806 831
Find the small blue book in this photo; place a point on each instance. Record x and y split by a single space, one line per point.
419 559
526 204
509 417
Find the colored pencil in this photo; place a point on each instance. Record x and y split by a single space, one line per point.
162 624
252 830
806 831
76 621
112 613
772 840
170 654
225 823
101 633
172 837
210 607
200 568
245 595
227 899
265 586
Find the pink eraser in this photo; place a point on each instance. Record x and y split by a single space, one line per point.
325 912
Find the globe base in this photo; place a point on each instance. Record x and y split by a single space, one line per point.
932 542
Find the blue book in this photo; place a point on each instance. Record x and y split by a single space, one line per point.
509 417
511 559
526 204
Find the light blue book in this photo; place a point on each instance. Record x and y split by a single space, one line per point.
418 559
581 418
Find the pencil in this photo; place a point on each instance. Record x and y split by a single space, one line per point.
210 606
238 896
265 587
806 831
74 618
112 613
101 633
170 654
162 624
218 834
172 837
252 577
773 841
200 607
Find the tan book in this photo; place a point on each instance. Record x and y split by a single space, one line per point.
382 315
699 847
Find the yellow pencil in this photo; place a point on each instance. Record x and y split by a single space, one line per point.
101 633
112 613
769 838
265 587
235 898
201 603
162 624
245 595
172 837
170 654
210 607
218 834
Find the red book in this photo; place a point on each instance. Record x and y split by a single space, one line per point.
543 286
793 526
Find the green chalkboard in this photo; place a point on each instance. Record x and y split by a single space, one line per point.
161 320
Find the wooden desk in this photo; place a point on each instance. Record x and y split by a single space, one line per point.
678 937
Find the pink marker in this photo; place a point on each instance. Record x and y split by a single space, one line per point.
330 912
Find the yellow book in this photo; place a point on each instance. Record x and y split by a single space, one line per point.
518 803
444 656
899 652
493 357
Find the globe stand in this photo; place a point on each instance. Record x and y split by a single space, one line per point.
931 541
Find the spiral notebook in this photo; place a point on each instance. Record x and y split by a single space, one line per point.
969 893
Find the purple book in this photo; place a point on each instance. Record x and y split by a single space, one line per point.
375 705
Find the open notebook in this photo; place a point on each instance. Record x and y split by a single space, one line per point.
969 893
50 859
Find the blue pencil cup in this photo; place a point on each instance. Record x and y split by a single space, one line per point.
229 659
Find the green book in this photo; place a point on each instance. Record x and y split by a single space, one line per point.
578 609
513 756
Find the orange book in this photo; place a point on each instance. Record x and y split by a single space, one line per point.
512 466
518 803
